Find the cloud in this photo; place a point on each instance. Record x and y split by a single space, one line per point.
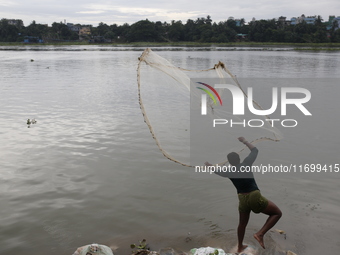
91 12
119 12
6 3
141 12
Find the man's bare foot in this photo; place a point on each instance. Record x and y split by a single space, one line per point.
259 238
242 248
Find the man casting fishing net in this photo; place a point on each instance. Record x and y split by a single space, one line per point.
250 198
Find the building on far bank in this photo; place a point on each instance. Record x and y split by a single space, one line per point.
332 21
16 22
73 28
282 21
32 39
239 22
81 30
329 23
85 31
241 37
309 20
336 22
293 21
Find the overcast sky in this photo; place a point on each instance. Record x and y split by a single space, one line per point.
129 11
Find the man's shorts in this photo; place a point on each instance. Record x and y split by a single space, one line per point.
252 201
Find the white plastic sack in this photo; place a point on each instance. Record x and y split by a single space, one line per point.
93 249
207 251
250 250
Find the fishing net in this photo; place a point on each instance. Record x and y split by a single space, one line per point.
181 107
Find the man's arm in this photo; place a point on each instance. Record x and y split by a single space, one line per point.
248 160
220 173
253 152
244 141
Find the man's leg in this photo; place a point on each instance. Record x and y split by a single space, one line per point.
274 215
243 221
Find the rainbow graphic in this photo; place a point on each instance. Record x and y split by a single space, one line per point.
209 93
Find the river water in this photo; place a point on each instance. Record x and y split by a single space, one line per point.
89 171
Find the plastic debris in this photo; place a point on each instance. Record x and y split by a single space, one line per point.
291 253
93 249
280 231
250 250
208 251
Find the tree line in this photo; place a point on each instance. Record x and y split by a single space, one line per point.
199 30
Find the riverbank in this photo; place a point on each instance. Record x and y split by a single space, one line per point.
269 45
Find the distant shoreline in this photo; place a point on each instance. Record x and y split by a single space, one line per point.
296 46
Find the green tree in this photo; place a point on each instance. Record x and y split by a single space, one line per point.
102 29
61 31
142 31
208 20
123 32
335 32
110 35
262 30
231 23
336 36
8 33
160 31
176 31
36 30
189 30
223 33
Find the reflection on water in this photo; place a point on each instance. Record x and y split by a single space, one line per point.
89 171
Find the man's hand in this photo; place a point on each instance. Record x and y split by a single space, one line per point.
242 139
